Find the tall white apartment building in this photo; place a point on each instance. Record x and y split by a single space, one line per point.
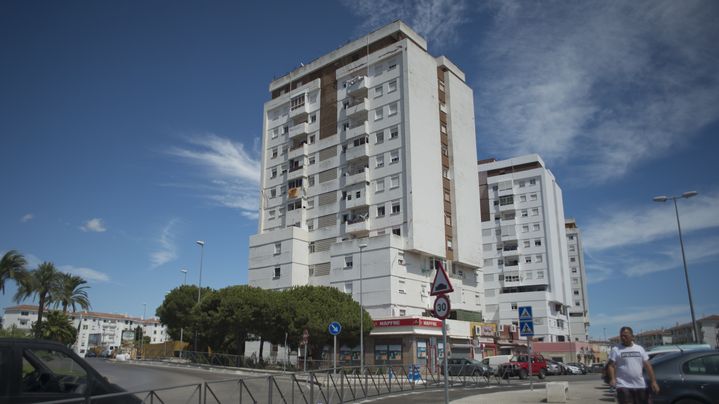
370 158
579 311
524 244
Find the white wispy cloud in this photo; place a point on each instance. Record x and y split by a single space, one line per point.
625 226
166 242
94 225
696 252
27 217
230 176
88 274
437 21
602 86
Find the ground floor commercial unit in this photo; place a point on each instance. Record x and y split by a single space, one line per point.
566 352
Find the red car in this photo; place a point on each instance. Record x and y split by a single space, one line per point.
518 366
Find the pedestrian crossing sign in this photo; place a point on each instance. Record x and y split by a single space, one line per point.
525 313
526 329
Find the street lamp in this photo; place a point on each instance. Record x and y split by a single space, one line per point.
663 198
199 288
361 248
142 340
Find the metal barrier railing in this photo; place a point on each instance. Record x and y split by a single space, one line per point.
325 386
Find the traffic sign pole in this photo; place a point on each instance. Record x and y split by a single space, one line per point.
334 356
444 361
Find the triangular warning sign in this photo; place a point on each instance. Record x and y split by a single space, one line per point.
524 314
441 283
526 329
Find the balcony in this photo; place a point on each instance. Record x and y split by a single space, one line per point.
296 172
297 151
356 202
359 110
358 85
356 177
359 130
299 111
300 129
357 225
356 152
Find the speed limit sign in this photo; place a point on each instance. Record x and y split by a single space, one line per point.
441 306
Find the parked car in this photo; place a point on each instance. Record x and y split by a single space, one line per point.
574 370
582 367
91 354
36 371
467 367
687 377
518 366
665 349
597 368
554 368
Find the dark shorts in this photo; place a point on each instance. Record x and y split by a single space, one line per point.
632 396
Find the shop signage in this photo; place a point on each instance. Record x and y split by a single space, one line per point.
408 322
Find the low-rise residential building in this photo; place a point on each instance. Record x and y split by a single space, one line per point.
95 329
708 332
648 339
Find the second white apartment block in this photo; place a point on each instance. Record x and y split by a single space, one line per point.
579 311
524 246
370 155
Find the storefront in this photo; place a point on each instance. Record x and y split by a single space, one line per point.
405 341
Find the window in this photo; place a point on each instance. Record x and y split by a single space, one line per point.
380 211
397 231
528 276
392 66
538 258
443 129
394 156
513 306
535 212
273 193
348 261
348 288
44 364
274 152
441 85
532 182
533 197
506 200
380 137
311 247
379 161
705 365
394 133
395 207
313 118
535 227
402 312
278 248
379 186
540 274
574 270
345 104
537 243
525 229
521 184
275 133
392 86
445 151
449 243
345 126
273 173
311 160
575 281
394 181
378 114
297 204
576 293
526 244
311 181
271 214
378 91
528 260
524 212
522 198
572 259
392 109
276 275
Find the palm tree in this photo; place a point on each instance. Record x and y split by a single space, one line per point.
69 292
39 282
12 266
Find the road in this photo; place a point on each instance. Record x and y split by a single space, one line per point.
225 387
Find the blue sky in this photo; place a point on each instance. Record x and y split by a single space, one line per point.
132 129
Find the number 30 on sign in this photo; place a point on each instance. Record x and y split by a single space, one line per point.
441 307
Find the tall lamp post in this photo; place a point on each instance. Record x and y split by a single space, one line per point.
361 248
199 288
663 198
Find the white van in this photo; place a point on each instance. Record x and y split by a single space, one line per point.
494 361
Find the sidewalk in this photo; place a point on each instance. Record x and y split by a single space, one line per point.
579 392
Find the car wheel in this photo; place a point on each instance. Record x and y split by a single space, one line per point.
542 373
522 374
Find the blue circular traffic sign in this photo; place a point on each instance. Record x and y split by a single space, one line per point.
334 328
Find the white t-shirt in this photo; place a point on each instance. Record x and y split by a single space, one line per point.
628 365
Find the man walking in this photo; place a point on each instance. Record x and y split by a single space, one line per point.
625 370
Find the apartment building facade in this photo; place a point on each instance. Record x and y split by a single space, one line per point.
524 245
95 329
369 163
579 311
